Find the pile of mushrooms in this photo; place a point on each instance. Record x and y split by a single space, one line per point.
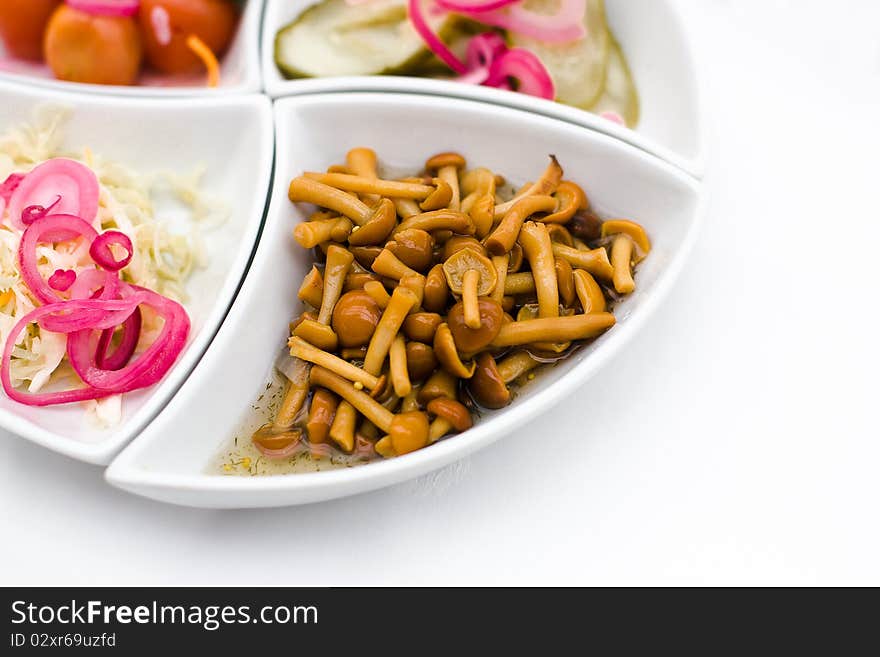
434 295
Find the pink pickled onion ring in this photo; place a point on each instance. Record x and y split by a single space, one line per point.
131 333
434 43
474 5
95 284
523 66
151 365
53 228
33 212
62 279
117 8
90 314
75 183
567 24
101 253
8 186
614 117
482 51
161 23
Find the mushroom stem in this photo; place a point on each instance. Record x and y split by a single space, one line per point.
553 329
469 298
401 302
377 186
366 405
388 264
343 427
439 428
546 184
397 361
535 241
500 263
457 222
621 261
594 261
294 396
299 348
321 412
310 234
363 162
338 263
378 292
406 207
502 239
311 191
449 174
312 289
588 291
519 283
515 365
410 401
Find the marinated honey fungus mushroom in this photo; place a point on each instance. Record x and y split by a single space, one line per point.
500 263
312 289
336 269
436 220
321 413
544 186
401 302
376 186
355 317
275 437
520 283
585 225
458 242
407 431
421 327
363 162
310 234
377 293
502 239
389 265
439 198
594 261
372 220
559 233
446 167
469 340
553 329
489 384
436 290
440 384
471 275
342 429
414 248
569 199
420 361
365 255
631 228
447 354
538 250
450 414
299 348
398 368
621 260
479 202
588 291
565 282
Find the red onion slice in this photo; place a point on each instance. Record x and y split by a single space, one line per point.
101 253
435 43
131 333
523 66
567 24
62 279
75 183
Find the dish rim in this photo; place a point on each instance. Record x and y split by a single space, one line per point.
101 453
250 30
125 473
694 164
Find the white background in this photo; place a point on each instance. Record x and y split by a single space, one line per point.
736 442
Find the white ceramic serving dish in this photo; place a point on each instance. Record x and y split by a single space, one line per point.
232 138
239 69
651 35
170 460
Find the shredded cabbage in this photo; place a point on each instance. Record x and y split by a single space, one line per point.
162 260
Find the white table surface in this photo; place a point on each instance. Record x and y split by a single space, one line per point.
736 442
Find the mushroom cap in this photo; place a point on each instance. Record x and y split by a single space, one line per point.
320 335
272 438
409 431
452 411
355 317
414 247
445 160
447 354
422 327
585 225
378 226
439 198
627 227
486 385
440 384
466 260
469 340
420 361
458 242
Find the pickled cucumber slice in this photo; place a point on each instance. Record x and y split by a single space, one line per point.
578 67
334 38
620 93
